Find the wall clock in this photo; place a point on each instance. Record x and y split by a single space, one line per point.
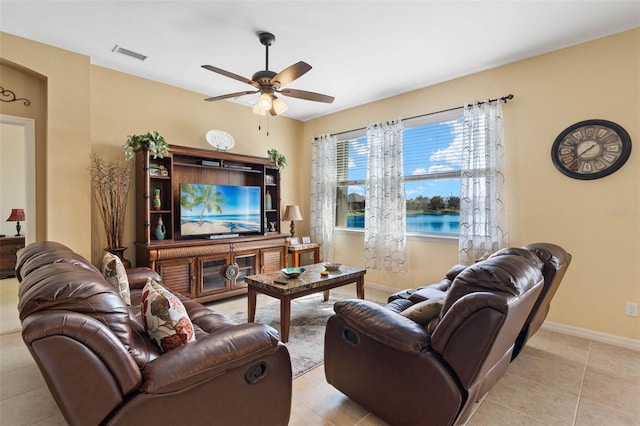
591 149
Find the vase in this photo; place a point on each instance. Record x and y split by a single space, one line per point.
119 251
267 201
160 230
157 204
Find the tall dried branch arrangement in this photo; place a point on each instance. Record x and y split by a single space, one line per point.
111 181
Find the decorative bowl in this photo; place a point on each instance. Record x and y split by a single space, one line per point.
292 272
332 266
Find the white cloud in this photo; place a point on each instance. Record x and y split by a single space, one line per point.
356 189
450 154
419 171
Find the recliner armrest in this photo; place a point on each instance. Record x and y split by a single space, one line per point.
383 325
138 276
209 357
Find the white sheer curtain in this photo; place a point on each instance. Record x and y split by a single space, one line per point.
323 194
483 211
384 218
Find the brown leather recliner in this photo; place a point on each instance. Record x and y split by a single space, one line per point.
408 374
102 368
555 261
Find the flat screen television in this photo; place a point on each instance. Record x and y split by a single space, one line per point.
207 210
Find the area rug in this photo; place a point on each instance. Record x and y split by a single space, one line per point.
309 317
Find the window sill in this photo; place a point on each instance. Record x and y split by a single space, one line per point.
410 236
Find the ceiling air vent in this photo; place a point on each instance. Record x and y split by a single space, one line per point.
130 53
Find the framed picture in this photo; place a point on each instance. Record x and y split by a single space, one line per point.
306 240
269 179
293 241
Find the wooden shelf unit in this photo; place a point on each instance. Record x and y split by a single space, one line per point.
198 267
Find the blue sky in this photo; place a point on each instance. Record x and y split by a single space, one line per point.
436 148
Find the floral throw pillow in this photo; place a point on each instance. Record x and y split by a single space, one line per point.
165 319
115 273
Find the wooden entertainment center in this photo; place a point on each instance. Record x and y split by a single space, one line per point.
201 268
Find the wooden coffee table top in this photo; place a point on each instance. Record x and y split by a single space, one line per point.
311 279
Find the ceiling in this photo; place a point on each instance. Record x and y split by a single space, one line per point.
360 51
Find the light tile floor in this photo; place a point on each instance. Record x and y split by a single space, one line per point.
556 380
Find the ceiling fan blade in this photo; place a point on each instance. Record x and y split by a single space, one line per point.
287 75
230 75
309 96
231 95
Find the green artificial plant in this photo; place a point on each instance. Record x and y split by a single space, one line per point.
156 143
279 159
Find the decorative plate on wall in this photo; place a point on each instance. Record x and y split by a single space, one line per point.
591 149
220 139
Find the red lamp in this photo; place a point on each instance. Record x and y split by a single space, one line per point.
16 215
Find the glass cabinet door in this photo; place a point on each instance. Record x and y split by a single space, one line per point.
212 278
247 265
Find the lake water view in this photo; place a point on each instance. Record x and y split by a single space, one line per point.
421 222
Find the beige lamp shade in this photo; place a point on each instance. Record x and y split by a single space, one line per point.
292 213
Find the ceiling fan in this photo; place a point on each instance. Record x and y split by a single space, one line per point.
269 83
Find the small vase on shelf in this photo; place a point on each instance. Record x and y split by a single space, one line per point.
156 203
161 230
267 201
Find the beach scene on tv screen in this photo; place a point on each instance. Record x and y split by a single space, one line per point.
219 209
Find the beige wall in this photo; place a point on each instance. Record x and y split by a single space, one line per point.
62 185
92 108
597 221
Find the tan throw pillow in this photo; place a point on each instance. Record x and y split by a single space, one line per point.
115 273
165 318
424 312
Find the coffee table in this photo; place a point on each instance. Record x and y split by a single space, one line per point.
308 283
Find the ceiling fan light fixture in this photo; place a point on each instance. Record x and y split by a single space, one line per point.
265 101
278 106
258 110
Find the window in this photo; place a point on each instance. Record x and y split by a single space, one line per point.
432 159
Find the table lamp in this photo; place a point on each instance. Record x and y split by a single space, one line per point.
292 213
17 215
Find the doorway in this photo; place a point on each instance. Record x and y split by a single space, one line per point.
18 174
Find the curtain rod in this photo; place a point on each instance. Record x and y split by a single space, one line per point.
503 99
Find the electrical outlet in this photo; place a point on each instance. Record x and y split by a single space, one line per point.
632 309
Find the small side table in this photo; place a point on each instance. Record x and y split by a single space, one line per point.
9 246
299 249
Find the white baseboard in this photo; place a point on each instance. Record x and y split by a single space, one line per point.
384 288
597 336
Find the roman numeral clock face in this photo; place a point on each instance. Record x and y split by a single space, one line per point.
591 149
